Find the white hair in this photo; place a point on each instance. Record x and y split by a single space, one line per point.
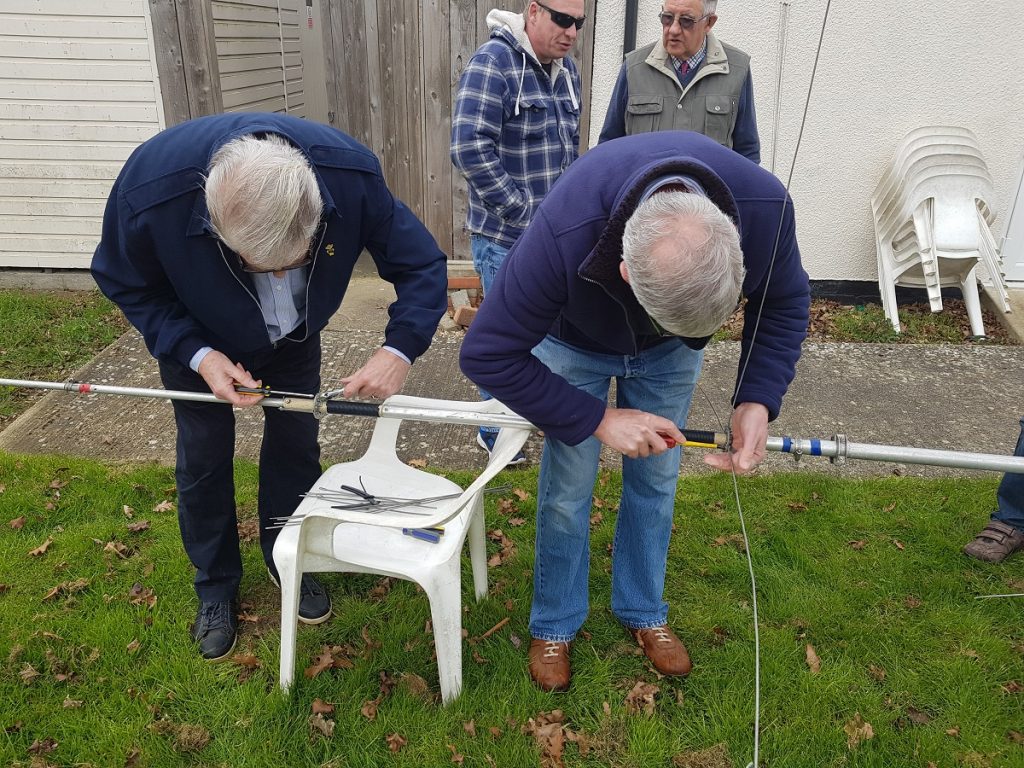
684 262
264 200
710 6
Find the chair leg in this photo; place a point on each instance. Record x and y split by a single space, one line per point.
478 549
969 288
445 595
288 561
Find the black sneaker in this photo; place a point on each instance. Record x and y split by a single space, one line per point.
215 629
314 602
486 441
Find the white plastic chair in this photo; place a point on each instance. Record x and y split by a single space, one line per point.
932 218
362 541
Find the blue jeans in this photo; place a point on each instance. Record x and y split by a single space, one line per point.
488 257
661 381
1011 492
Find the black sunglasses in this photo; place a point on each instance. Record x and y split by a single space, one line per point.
564 20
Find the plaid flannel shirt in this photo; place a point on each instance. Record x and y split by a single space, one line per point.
514 130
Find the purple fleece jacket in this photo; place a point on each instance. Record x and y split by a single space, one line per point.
562 278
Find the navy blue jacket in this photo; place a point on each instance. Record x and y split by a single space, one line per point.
562 278
158 258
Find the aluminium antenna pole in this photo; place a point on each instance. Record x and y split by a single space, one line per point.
837 449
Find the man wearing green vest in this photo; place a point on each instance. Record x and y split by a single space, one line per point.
689 80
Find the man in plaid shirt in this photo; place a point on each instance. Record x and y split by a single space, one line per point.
515 128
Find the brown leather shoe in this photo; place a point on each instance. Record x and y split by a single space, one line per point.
995 543
549 664
666 651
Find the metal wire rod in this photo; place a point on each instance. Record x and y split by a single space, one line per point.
838 449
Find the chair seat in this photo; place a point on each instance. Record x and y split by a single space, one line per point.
365 538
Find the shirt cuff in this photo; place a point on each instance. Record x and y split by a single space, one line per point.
197 358
397 354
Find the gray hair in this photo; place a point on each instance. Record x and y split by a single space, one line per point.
264 200
684 262
710 6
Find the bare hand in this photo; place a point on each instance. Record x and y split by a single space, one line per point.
636 433
749 436
383 375
221 375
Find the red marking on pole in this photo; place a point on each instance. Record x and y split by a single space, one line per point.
84 388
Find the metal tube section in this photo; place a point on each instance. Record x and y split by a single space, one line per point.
840 450
837 449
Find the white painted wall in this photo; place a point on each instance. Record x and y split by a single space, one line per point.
884 70
78 92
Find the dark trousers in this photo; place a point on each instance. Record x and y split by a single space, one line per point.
289 463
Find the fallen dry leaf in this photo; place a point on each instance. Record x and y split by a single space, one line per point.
457 759
470 728
322 707
141 595
1016 737
515 522
549 733
857 545
164 506
813 662
417 463
917 717
190 738
369 708
5 588
641 697
858 730
797 506
321 726
521 494
133 646
715 757
28 674
395 742
70 703
246 660
67 588
415 685
18 523
127 511
139 527
899 544
1014 686
118 549
954 732
41 549
878 673
42 746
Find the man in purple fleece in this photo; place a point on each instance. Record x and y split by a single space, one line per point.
632 261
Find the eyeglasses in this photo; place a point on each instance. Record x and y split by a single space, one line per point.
564 20
685 22
253 271
246 267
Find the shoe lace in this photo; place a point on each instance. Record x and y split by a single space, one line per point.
552 650
215 616
661 635
308 588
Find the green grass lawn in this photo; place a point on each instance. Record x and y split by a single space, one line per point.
868 573
47 335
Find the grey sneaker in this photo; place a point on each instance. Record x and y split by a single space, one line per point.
215 629
314 602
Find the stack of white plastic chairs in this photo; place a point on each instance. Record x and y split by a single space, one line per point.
932 217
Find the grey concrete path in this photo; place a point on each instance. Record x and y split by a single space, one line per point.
948 397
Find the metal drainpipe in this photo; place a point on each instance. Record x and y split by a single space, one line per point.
779 62
629 33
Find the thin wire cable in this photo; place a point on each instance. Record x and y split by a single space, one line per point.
739 383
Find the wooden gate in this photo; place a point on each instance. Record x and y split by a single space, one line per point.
392 69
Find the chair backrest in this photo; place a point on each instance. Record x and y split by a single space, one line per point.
510 440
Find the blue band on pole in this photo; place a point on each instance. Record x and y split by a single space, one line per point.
787 444
815 447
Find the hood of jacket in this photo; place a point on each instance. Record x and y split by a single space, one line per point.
511 27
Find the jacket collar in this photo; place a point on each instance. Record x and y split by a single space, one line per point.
602 264
199 223
715 62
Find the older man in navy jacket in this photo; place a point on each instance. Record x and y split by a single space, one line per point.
229 241
634 259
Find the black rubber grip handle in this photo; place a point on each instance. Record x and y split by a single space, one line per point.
352 408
